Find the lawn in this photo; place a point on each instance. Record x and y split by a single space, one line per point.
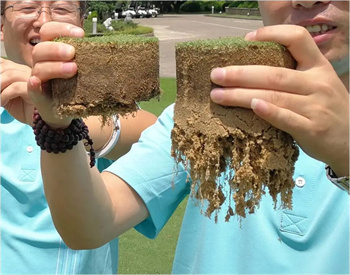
137 254
167 97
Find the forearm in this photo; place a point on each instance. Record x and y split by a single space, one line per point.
80 204
339 160
132 126
341 166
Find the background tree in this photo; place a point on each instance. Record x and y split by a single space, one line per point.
104 9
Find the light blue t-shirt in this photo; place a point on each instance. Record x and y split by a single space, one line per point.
311 238
30 243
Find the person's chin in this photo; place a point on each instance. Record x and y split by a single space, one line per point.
27 61
341 64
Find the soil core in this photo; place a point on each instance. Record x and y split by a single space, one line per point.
114 72
214 141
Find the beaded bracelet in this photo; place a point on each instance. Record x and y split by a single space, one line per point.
61 140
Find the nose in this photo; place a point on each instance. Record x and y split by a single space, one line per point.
43 16
308 4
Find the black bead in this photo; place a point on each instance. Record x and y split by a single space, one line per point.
45 129
51 133
47 138
65 138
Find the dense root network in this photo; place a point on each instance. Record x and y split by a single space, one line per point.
250 165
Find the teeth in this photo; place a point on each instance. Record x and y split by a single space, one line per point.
325 27
314 28
318 29
35 41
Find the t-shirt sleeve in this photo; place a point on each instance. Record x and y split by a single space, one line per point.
152 172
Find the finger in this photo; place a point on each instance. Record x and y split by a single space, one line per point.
53 29
264 77
296 38
282 119
239 97
11 76
36 93
42 101
49 70
53 51
15 90
9 65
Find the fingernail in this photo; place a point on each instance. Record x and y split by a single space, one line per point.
260 105
217 95
254 103
68 50
217 74
68 68
33 81
250 35
77 32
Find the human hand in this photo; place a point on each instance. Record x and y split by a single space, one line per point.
14 95
310 103
52 60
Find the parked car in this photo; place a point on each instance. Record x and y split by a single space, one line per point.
131 11
141 12
153 12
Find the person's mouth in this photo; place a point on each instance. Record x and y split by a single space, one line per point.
34 41
322 30
319 29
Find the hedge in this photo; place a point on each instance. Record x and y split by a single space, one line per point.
201 6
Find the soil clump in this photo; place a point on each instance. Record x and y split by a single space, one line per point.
215 141
114 72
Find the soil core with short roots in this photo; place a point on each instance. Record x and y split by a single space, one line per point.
114 73
210 139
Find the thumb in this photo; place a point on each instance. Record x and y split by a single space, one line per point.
42 100
36 93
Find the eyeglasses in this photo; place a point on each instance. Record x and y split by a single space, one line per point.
31 10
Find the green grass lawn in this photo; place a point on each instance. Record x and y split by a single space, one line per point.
167 97
137 254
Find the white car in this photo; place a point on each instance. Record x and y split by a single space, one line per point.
130 11
152 12
141 12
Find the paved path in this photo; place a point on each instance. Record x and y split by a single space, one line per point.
171 29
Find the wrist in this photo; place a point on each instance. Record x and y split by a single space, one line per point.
61 139
59 124
342 182
341 168
340 162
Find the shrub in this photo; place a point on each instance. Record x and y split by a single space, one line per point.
244 4
92 15
120 25
88 26
191 6
226 4
235 4
206 5
250 5
201 6
119 28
